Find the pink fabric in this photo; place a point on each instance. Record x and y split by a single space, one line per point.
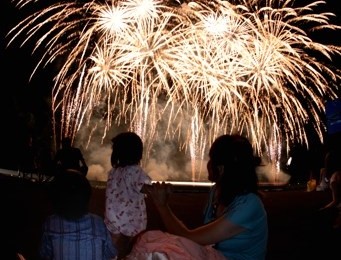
168 246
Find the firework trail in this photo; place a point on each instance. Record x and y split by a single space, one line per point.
241 66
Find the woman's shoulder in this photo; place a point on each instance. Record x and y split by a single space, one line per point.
249 198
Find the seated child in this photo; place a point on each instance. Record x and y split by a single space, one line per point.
72 233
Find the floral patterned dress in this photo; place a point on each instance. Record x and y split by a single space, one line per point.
125 208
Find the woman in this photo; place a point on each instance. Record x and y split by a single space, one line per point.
235 225
332 175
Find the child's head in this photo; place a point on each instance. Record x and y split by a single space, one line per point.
127 149
70 194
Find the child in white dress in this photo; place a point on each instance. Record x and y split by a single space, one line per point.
125 208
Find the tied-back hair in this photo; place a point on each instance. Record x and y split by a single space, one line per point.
70 194
127 149
235 154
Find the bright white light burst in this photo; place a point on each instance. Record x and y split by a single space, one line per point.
247 68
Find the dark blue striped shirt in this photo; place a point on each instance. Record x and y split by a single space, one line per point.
84 239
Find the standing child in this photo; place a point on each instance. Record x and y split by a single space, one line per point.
125 208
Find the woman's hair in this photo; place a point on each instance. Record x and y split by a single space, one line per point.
70 194
127 149
235 154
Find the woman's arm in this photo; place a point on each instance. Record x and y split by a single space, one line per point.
211 233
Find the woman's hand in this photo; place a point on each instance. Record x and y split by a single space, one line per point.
160 193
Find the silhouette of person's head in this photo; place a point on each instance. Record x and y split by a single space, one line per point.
66 142
232 166
332 162
70 194
127 149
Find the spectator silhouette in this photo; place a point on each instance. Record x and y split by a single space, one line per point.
331 175
299 169
27 159
72 232
69 157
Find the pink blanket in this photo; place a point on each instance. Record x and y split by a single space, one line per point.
160 245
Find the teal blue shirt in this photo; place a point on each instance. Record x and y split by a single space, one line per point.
248 212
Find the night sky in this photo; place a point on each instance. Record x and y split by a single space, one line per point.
24 106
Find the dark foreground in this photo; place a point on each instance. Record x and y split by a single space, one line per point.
294 231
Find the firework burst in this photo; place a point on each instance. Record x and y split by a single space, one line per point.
232 67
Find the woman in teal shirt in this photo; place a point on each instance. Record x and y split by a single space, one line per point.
246 211
235 224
